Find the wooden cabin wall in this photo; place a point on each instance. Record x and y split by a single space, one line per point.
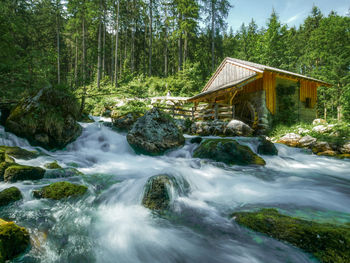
254 86
308 89
269 85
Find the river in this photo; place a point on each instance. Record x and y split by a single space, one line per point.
109 224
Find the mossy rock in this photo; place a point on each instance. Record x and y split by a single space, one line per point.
266 147
60 190
17 172
227 151
3 167
329 243
19 153
14 240
62 173
10 195
5 158
196 140
53 165
157 195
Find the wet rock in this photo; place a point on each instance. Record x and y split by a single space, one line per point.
53 165
196 140
307 141
319 122
17 172
290 139
19 153
237 128
10 195
227 151
345 148
126 121
5 158
266 147
49 119
319 147
157 194
60 190
14 240
62 173
328 153
154 133
329 243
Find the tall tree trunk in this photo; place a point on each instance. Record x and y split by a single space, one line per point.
185 46
58 43
112 60
104 51
180 54
99 59
213 34
84 70
116 47
166 44
133 29
76 62
150 38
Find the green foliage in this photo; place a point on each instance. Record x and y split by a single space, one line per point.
329 243
60 190
133 106
285 112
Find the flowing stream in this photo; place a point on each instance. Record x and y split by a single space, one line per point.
109 224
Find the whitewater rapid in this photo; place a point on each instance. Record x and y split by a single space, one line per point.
109 224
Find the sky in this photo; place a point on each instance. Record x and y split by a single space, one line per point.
290 12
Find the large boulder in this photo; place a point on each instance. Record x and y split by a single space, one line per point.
17 172
345 148
329 243
14 240
307 141
237 128
10 195
49 119
290 139
266 147
154 133
157 194
126 121
60 190
227 151
322 129
19 153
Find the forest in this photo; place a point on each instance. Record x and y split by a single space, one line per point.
149 47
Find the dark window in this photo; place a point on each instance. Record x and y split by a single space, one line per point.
308 103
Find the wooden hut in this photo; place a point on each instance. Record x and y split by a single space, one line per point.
257 94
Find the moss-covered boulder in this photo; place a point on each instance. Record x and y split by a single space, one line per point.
4 157
227 151
10 195
329 243
196 140
157 194
266 147
154 133
53 165
49 119
60 190
19 153
17 172
126 121
14 240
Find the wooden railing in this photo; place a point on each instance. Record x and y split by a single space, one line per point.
202 112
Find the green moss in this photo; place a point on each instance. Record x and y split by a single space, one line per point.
14 240
60 190
227 151
3 167
10 195
53 165
266 147
156 196
329 243
18 172
19 153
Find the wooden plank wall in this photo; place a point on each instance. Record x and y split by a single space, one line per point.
308 89
269 84
253 86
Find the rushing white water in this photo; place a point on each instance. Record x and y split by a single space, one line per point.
109 224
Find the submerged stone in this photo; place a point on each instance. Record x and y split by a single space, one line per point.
266 147
157 193
196 140
19 153
329 243
227 151
17 172
60 190
154 133
10 195
14 240
62 173
53 165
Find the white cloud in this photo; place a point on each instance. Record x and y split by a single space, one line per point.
295 17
